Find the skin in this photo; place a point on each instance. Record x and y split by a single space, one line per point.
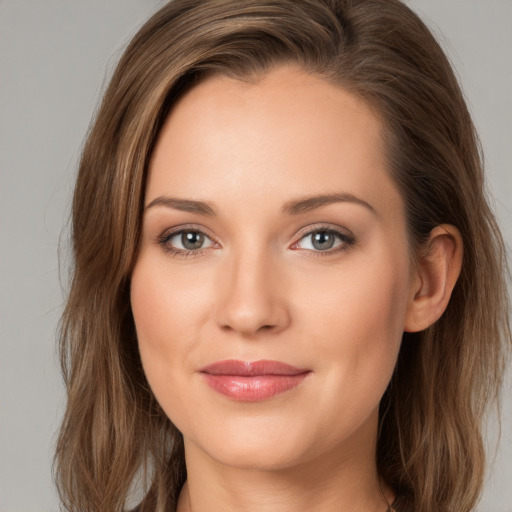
258 288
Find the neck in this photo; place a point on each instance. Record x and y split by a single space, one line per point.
325 484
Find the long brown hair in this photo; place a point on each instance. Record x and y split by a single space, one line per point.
430 441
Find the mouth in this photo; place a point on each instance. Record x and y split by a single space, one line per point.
252 381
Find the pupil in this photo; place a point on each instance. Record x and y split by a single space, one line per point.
323 240
192 240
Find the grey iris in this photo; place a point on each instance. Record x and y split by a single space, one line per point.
192 240
323 240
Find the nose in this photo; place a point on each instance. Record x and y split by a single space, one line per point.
252 297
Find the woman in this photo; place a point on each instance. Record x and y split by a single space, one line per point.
288 288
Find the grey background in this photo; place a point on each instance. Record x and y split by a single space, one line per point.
54 55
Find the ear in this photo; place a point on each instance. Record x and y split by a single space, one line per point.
438 267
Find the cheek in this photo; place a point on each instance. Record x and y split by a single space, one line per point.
159 315
360 302
171 309
168 308
150 306
357 319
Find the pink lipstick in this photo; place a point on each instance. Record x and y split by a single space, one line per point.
252 381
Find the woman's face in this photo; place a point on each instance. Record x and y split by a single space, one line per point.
273 279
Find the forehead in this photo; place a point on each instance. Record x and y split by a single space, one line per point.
288 134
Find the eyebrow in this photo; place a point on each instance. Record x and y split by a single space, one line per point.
307 204
295 207
185 205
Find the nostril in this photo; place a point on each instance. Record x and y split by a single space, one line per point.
247 330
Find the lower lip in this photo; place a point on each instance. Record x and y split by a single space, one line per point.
254 388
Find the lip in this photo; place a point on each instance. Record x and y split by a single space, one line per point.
252 381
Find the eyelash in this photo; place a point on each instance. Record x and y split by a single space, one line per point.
346 241
165 238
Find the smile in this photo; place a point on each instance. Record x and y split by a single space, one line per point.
252 381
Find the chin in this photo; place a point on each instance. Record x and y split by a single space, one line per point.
259 446
257 457
260 443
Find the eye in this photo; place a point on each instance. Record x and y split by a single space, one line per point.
324 240
186 241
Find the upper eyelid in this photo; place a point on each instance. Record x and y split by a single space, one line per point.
172 234
175 230
346 236
165 237
323 227
302 233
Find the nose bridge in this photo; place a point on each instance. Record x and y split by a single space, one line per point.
252 297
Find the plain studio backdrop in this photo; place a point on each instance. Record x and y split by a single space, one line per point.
54 56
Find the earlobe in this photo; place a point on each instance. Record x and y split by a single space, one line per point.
438 268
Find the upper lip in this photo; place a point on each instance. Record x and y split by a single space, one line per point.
251 368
